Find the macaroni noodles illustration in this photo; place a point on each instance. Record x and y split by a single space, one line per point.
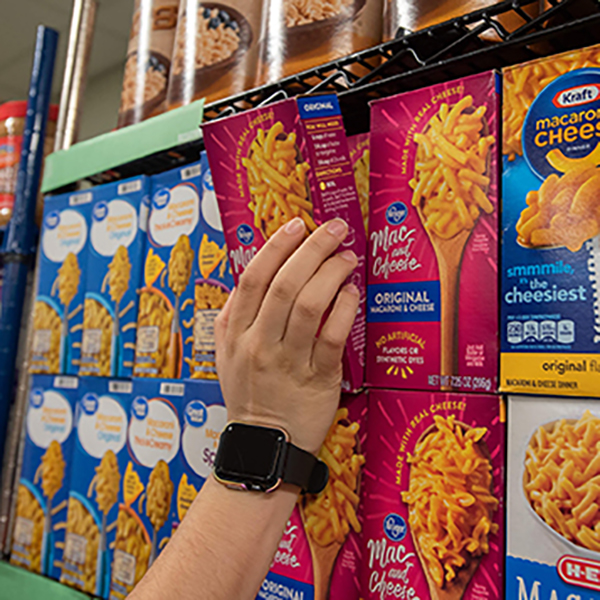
131 543
180 265
562 464
52 469
107 481
97 322
277 181
330 514
449 497
46 340
159 492
450 182
69 275
361 176
29 531
119 271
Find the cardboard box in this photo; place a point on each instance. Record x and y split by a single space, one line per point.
98 469
114 261
38 538
213 281
420 488
146 518
308 174
360 157
310 561
550 300
432 319
552 556
166 306
58 308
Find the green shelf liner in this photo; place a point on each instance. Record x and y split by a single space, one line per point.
122 146
16 583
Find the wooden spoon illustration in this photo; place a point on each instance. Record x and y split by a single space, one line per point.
455 589
449 254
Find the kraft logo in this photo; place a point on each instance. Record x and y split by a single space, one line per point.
394 527
139 408
52 219
396 213
161 199
196 413
245 234
100 211
575 96
89 404
36 398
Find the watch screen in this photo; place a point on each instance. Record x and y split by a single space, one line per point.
249 451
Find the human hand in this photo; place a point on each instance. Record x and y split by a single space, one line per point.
273 368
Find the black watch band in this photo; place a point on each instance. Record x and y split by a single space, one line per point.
305 470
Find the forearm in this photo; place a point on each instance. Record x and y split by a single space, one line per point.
223 548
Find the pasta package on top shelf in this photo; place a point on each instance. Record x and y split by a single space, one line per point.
434 496
550 294
553 519
41 511
98 468
58 306
115 258
146 517
319 555
166 303
285 160
432 317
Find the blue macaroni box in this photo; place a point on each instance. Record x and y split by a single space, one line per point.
45 475
146 518
166 305
114 262
58 308
213 281
98 467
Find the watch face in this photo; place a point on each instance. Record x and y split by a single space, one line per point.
250 456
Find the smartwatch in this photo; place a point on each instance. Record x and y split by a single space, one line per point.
251 457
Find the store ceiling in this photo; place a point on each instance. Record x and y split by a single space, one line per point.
19 20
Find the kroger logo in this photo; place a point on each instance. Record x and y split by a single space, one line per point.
196 413
89 404
52 219
139 408
161 199
100 211
394 526
581 94
208 181
245 235
396 213
36 398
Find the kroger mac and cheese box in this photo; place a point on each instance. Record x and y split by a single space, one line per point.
319 555
553 531
434 496
146 515
213 281
432 319
166 303
114 262
41 511
284 160
98 468
550 300
58 307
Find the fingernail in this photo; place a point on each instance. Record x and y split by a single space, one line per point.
348 255
295 226
352 289
338 228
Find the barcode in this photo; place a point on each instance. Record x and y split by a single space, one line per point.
120 387
129 187
172 389
77 199
65 382
189 172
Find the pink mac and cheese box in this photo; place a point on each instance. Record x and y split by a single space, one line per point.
281 161
432 299
434 497
319 558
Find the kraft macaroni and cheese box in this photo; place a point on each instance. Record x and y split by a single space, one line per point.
553 544
146 516
319 556
280 161
434 496
58 307
41 510
360 157
114 262
98 468
203 419
166 304
213 281
432 318
550 300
